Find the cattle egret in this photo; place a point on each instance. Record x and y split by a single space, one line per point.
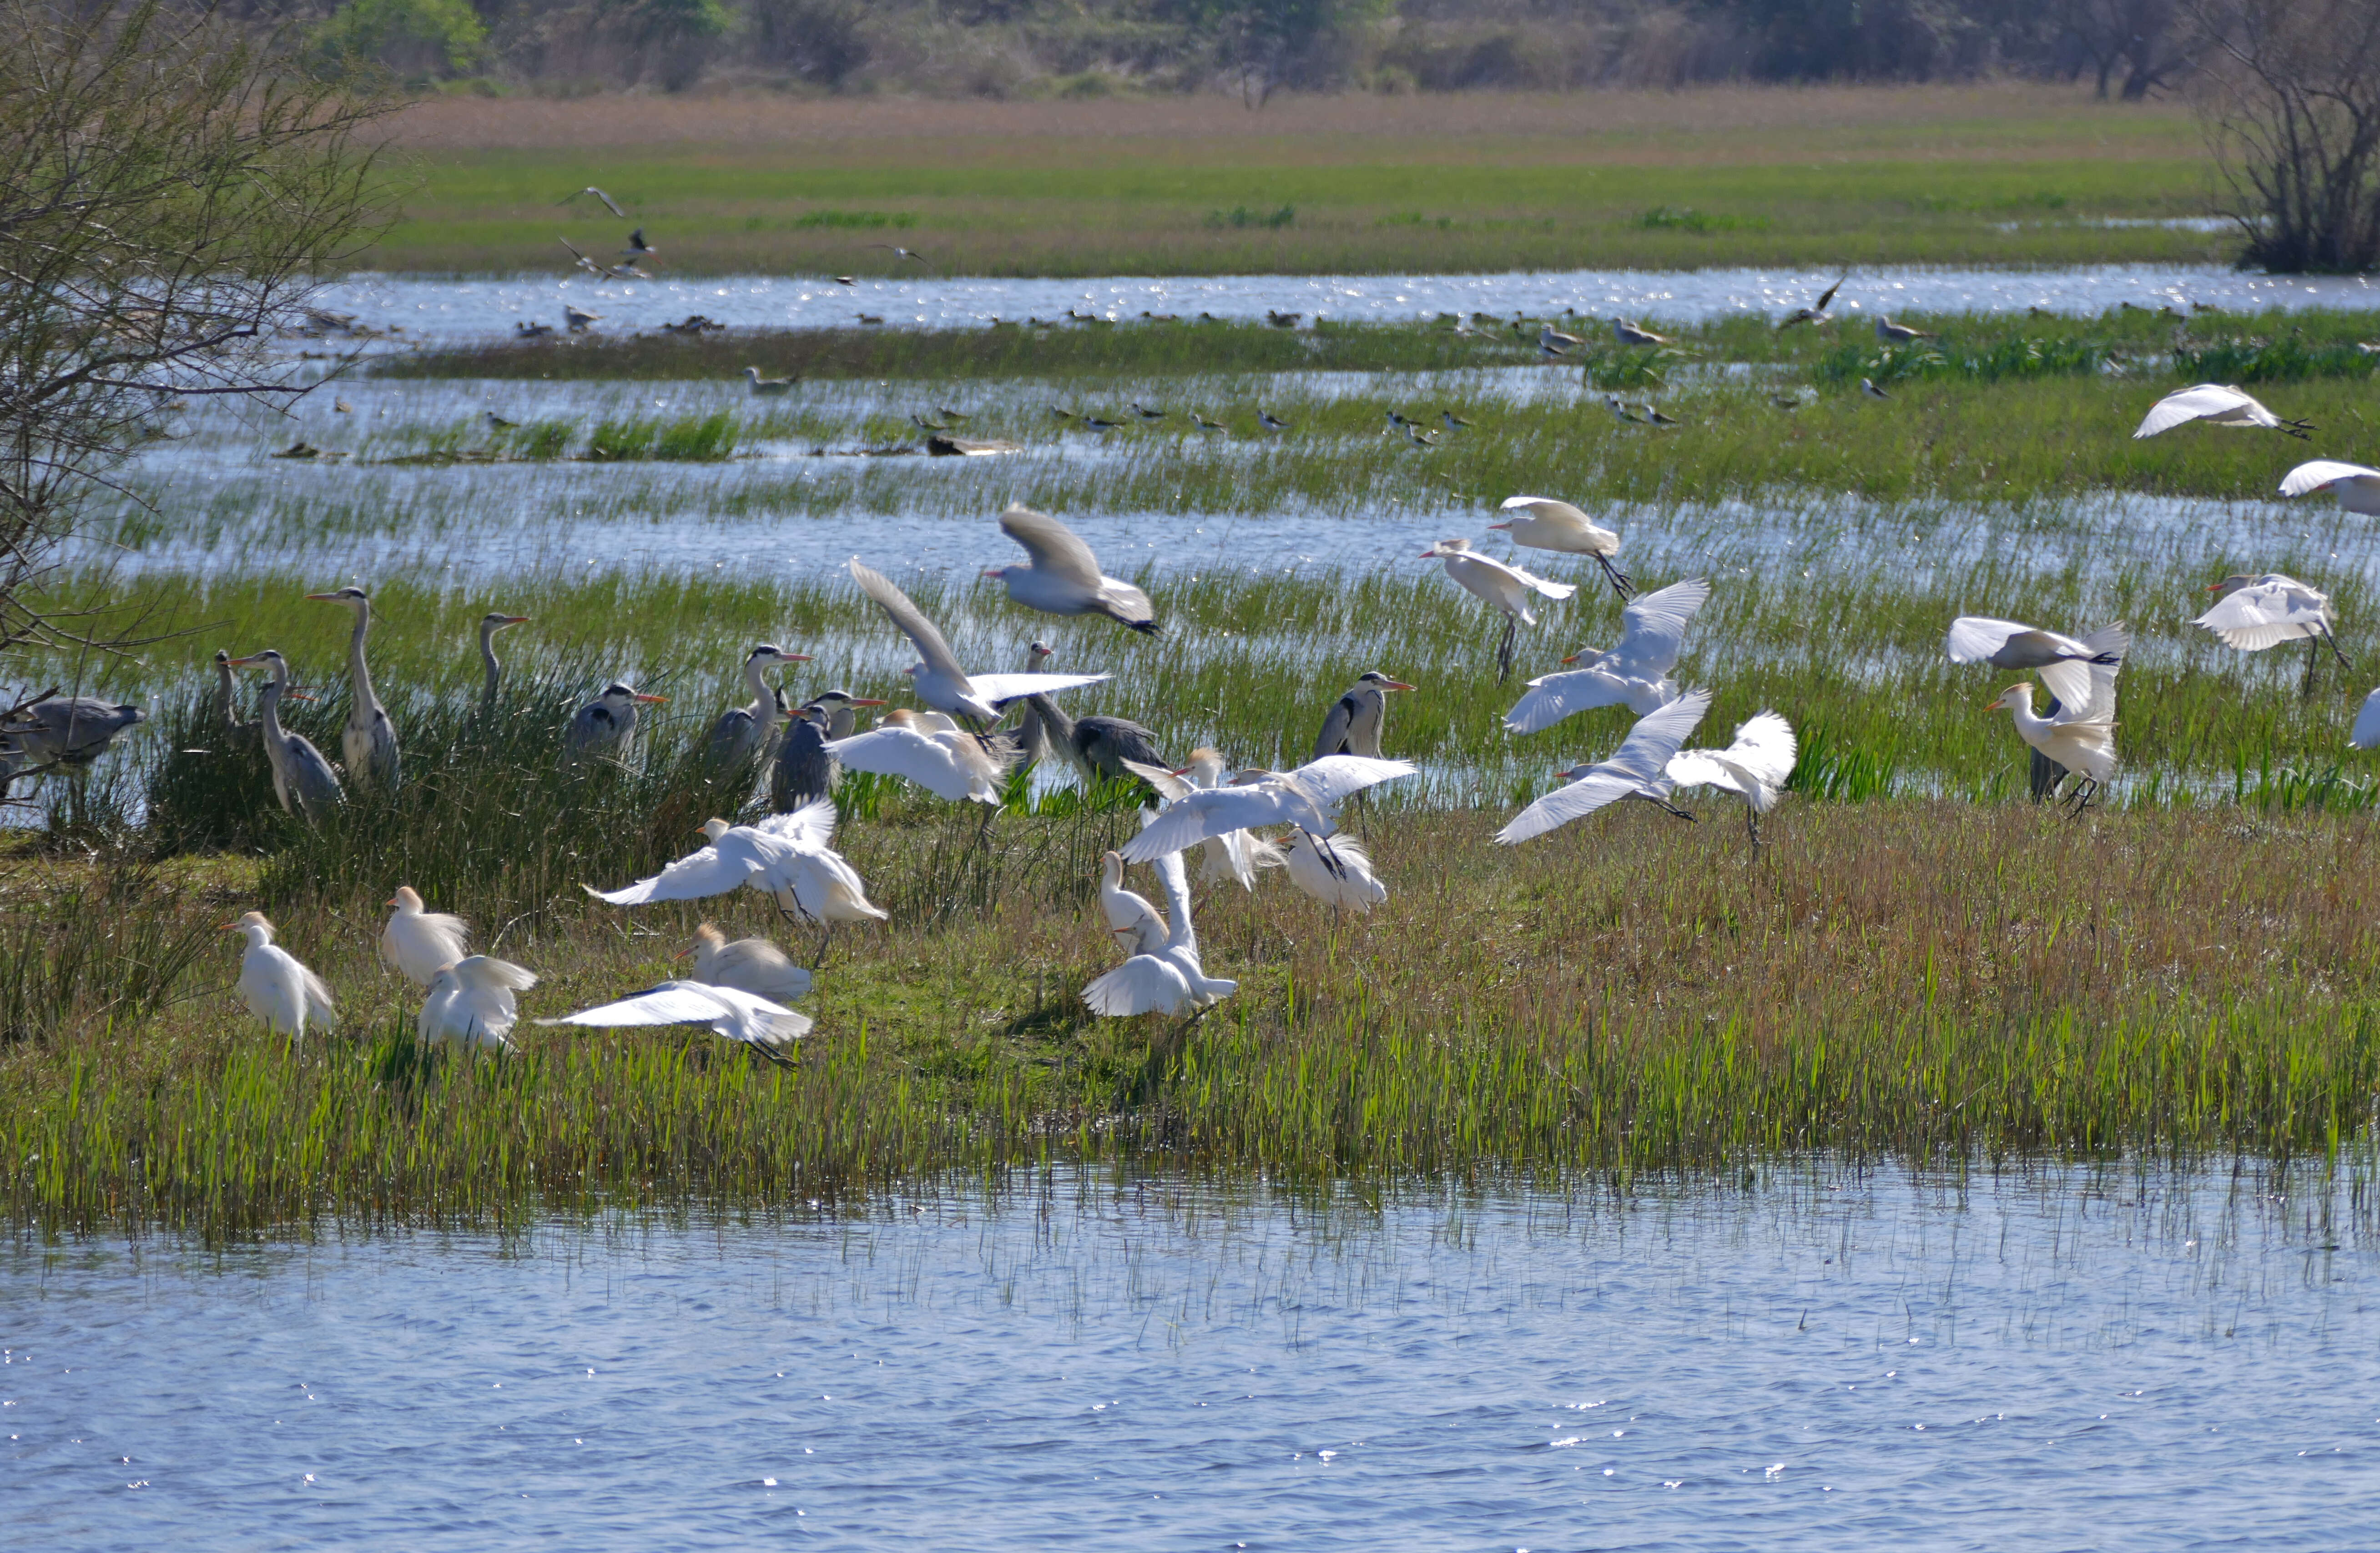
1307 797
1063 576
1634 674
2064 663
727 1011
277 987
1640 766
952 764
1169 980
1343 880
2357 488
2217 404
471 1004
941 682
417 942
1542 523
1499 586
753 965
2081 739
1754 767
2257 612
1235 856
1130 917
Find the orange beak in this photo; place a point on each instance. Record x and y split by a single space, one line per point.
1396 685
653 700
327 598
864 702
1499 526
513 619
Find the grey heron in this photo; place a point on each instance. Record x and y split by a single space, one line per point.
1353 724
228 700
72 730
1062 576
805 768
1033 738
302 780
275 985
489 624
606 725
941 684
369 741
743 734
1102 747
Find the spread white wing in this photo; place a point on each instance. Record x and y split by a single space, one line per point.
810 827
1167 784
1755 766
721 1009
996 689
905 752
1551 698
1210 811
908 617
1337 776
1642 758
2320 472
2204 402
1054 548
691 878
1654 628
1974 638
2366 733
2266 613
1144 984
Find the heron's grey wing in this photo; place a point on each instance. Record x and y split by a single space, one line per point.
908 617
1333 738
2206 399
1054 548
1974 638
1167 786
2366 732
1576 800
1646 750
691 878
996 689
1654 629
1336 776
1551 698
810 827
2316 473
1143 984
1214 811
673 1003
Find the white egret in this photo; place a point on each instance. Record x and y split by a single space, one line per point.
1344 879
2064 663
786 856
1129 914
369 741
1542 523
2366 732
1307 797
727 1011
606 725
2219 403
1634 674
1754 767
2259 612
1235 856
275 986
1169 980
941 682
1640 766
746 732
2081 739
417 942
753 965
489 624
1499 586
2357 488
302 779
1355 720
1063 576
471 1002
952 764
591 189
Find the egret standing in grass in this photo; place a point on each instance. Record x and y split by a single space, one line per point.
2259 612
417 942
2080 738
1634 674
1063 576
277 987
1542 523
1499 586
369 741
302 780
1129 915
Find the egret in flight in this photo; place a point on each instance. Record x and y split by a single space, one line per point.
1063 576
471 1004
941 684
1639 766
418 942
786 856
275 986
1754 767
2357 488
753 965
2216 403
1500 586
1307 799
1169 980
1355 720
2064 663
951 763
369 741
302 780
1634 674
2257 612
726 1011
1542 523
2082 738
1236 855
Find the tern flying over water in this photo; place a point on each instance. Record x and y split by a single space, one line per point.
941 684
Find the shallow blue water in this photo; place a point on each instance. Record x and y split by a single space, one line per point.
1827 1361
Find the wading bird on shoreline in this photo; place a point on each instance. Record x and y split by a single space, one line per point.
489 624
768 387
302 780
1501 586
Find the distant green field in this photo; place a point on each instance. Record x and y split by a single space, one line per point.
2021 190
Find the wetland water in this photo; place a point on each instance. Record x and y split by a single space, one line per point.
1832 1359
443 311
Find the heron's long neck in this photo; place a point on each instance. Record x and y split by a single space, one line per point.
226 696
365 701
488 656
1060 727
764 701
268 706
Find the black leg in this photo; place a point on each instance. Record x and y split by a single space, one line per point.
2313 657
1620 581
2332 638
1504 649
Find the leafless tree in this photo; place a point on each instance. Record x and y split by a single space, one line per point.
2289 97
172 189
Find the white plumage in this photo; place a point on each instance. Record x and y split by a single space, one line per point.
471 1004
1236 855
275 986
1346 880
2357 488
1634 674
1169 980
1307 797
785 856
1754 767
2366 733
417 942
940 680
728 1011
2064 663
2257 612
1497 584
947 762
2218 403
1063 576
753 965
2081 739
1640 764
1131 919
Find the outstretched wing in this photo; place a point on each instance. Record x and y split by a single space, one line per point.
1214 811
1974 638
908 617
1765 748
1574 801
673 1003
1336 776
2264 614
2366 733
810 827
1707 767
2200 403
1167 784
996 689
1551 698
1654 628
905 752
691 878
2320 472
1645 752
1054 548
1143 984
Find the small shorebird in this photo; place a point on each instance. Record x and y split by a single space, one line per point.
947 412
1395 420
1621 412
578 318
1203 424
528 331
1420 437
497 422
1553 342
1454 422
1868 387
1893 334
1098 423
637 249
1653 414
1147 414
871 318
1629 334
764 386
1270 422
846 280
922 424
599 194
597 271
897 251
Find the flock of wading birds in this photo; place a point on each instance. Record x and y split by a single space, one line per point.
954 749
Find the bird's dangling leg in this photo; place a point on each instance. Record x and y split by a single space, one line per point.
1686 815
1620 582
1751 827
1330 856
1504 649
2332 637
825 942
2313 657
